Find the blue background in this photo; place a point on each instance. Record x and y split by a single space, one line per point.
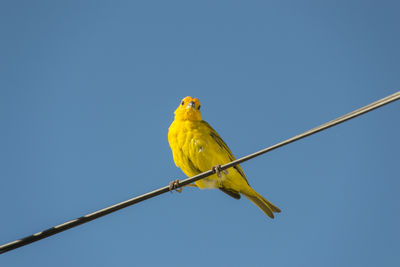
87 93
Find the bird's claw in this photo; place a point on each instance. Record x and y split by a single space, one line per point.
174 186
217 170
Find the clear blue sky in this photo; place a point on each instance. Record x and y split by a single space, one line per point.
87 93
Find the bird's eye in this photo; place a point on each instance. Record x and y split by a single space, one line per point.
199 108
183 102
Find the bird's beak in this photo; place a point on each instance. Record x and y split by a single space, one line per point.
191 104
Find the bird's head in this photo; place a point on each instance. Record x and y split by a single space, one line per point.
188 109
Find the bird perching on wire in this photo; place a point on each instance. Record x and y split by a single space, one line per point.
197 147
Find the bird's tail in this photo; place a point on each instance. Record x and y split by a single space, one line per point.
261 202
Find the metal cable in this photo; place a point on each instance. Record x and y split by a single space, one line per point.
97 214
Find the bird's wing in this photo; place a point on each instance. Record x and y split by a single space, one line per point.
215 136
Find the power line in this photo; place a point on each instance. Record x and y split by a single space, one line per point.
97 214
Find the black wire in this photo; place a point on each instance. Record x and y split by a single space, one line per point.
92 216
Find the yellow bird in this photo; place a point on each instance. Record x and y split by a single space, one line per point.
197 147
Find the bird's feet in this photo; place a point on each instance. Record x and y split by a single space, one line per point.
217 170
174 186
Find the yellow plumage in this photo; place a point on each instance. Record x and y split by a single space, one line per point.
197 147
